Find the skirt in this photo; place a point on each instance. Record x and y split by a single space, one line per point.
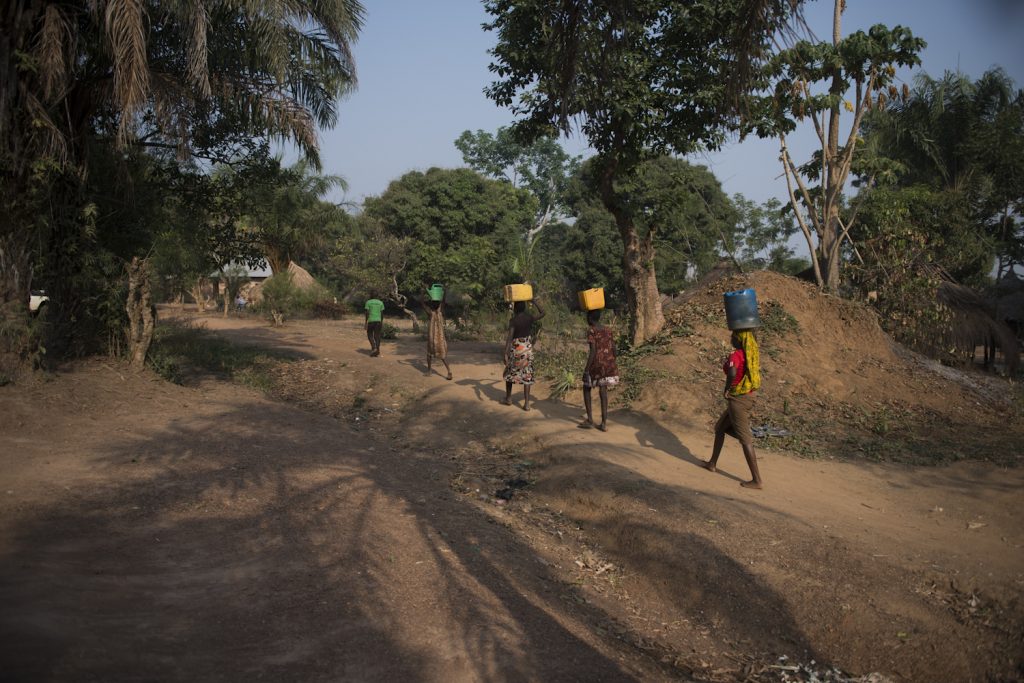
520 362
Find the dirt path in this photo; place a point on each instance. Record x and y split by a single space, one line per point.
159 532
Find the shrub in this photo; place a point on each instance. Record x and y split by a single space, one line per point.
331 310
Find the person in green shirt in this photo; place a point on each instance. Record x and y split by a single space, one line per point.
374 322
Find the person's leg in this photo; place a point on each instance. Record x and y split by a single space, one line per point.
447 367
751 456
603 390
429 359
588 404
508 393
720 428
526 397
376 337
740 408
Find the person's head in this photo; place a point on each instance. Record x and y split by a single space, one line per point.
519 307
594 316
735 339
434 305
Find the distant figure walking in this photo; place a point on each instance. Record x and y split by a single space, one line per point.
519 351
600 370
437 345
374 323
743 378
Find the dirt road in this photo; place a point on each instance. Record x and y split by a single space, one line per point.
156 532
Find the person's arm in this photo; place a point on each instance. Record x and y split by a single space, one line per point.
366 318
540 310
730 377
591 356
508 342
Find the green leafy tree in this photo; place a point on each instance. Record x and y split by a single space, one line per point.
462 228
965 138
814 81
370 262
541 167
683 204
762 235
640 78
177 77
287 215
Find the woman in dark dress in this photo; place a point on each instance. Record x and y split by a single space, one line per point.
600 370
519 351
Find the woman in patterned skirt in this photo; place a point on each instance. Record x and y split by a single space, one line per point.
437 345
519 351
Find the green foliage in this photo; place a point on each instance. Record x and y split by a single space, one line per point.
693 218
762 235
134 106
964 140
388 331
282 298
457 225
640 79
901 235
777 320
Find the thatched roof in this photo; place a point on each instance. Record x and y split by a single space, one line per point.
301 277
974 323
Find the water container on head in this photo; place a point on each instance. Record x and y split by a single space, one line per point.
741 310
592 299
436 292
514 293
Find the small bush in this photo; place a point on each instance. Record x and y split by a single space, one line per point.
388 331
329 310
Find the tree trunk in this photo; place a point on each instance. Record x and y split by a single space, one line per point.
829 254
140 312
642 297
15 287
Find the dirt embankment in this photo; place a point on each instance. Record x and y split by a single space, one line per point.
834 381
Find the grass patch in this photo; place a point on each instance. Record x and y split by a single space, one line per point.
563 367
180 351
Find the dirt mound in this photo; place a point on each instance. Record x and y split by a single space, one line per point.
830 373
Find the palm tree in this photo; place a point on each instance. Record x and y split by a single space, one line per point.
185 76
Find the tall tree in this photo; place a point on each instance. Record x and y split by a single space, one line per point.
462 228
955 135
640 78
541 167
178 75
813 80
288 215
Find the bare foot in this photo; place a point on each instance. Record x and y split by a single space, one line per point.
526 407
708 466
586 424
603 427
449 376
751 484
506 401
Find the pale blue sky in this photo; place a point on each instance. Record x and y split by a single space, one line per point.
423 65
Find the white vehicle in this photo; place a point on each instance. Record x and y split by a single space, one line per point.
37 301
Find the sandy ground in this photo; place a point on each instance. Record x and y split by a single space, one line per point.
156 532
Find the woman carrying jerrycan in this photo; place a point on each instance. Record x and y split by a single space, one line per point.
742 380
519 342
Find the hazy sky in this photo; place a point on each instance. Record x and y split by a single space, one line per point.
423 66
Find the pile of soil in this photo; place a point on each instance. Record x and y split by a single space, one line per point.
833 380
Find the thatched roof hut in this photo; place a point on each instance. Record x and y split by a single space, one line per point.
973 323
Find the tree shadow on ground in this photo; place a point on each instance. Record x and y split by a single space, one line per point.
302 552
682 569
